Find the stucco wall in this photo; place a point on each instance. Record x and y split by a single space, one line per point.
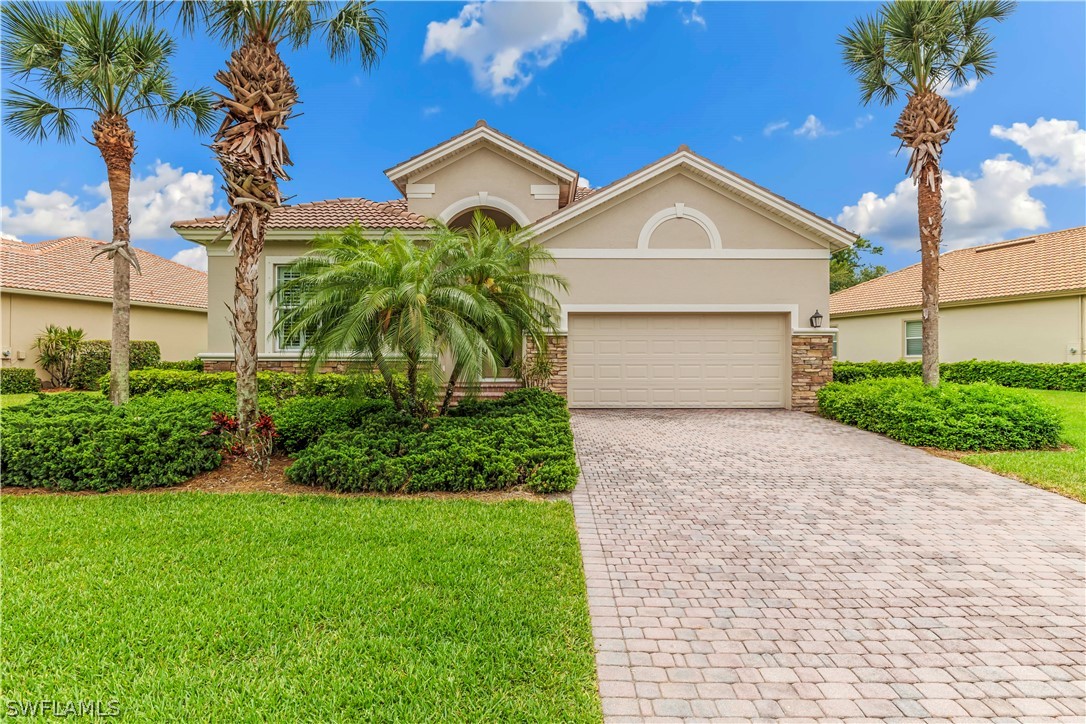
483 170
180 333
1023 331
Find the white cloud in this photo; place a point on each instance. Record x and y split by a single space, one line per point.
773 127
505 43
863 121
985 206
431 111
155 201
813 128
195 257
9 237
693 17
947 89
627 10
583 183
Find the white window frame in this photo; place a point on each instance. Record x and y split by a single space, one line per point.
273 309
906 338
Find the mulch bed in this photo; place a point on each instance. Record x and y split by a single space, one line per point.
237 476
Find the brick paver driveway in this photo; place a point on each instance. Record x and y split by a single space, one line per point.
747 564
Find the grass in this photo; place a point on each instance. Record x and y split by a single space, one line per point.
285 608
1061 471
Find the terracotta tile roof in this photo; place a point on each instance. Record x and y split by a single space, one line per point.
330 214
1041 264
64 266
582 192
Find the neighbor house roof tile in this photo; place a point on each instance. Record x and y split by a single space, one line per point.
1034 265
330 214
66 266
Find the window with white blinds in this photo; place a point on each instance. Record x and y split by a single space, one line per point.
285 301
913 343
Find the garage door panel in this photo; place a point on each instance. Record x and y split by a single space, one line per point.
678 360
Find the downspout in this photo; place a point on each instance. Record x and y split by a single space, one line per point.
1082 328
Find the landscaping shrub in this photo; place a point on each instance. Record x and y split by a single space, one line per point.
279 385
522 439
58 351
93 361
18 380
189 365
951 416
1069 376
79 442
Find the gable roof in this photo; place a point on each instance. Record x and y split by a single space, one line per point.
330 214
480 133
65 267
1034 265
808 222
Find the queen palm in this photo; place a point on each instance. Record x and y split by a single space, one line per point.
83 59
918 47
259 99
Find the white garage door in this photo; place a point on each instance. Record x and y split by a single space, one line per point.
678 360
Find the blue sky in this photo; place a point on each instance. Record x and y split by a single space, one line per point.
607 87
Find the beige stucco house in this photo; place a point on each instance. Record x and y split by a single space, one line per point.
689 286
59 282
1022 300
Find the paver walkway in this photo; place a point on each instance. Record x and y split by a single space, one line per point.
774 565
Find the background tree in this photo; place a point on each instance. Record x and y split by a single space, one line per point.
847 269
259 99
918 47
82 58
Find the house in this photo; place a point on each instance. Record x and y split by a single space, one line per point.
56 282
1022 300
689 286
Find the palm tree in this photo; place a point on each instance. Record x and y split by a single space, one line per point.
352 295
83 58
505 266
259 100
918 47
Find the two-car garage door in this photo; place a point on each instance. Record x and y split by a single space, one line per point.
678 360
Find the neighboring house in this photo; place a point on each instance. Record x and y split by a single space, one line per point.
56 282
690 286
1022 300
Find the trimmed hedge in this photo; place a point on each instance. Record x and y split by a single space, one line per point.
93 361
951 416
1069 376
14 380
190 365
279 385
522 439
78 442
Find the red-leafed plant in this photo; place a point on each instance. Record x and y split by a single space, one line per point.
260 443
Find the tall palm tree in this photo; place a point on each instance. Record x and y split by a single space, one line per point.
352 295
918 47
259 100
505 267
85 59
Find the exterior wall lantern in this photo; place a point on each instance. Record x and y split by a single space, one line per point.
816 319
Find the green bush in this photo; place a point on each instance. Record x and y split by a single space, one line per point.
951 416
190 365
522 439
93 361
278 385
1069 376
78 442
18 379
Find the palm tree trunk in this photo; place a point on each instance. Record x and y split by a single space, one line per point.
930 208
450 389
246 293
412 371
386 373
117 144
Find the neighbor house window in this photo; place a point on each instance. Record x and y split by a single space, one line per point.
913 345
285 302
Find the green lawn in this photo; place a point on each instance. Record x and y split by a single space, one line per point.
286 608
1061 471
21 398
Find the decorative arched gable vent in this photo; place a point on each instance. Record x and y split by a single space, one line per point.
679 211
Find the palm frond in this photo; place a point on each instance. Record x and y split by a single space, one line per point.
38 119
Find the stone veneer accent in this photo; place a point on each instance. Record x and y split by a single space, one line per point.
812 368
556 350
